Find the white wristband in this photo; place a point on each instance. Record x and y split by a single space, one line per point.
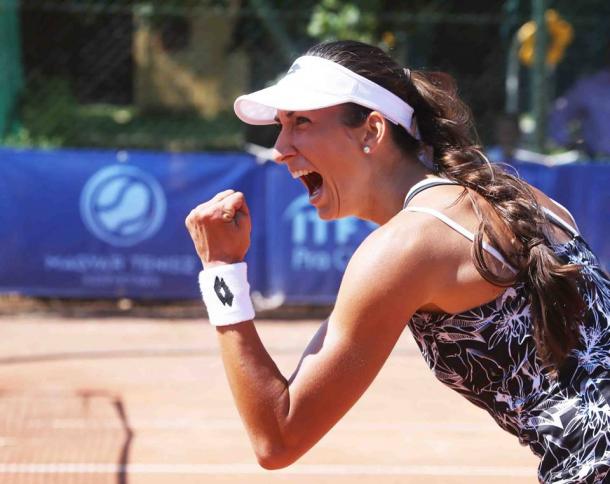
226 294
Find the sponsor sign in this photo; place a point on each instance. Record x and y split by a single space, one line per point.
82 223
107 224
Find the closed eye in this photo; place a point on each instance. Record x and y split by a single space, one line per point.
298 120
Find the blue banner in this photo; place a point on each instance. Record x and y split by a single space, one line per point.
95 224
105 224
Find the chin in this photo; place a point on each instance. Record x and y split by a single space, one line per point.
327 215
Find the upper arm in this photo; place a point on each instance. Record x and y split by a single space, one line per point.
383 285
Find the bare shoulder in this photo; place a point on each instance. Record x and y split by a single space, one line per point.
392 273
545 201
414 244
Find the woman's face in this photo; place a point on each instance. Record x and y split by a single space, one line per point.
327 157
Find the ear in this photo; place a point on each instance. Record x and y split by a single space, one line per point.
376 130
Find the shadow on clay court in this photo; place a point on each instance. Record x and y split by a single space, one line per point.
60 437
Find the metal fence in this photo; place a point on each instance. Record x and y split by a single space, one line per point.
163 75
10 64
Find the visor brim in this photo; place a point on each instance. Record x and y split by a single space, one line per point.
260 107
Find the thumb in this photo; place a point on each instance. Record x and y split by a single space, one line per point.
228 214
234 204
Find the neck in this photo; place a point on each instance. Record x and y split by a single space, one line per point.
385 203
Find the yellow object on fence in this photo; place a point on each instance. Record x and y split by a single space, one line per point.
561 34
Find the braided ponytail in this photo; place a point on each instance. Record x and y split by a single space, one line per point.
556 304
446 124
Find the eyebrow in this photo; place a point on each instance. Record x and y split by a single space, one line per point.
288 114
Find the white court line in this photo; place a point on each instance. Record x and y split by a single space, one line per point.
251 469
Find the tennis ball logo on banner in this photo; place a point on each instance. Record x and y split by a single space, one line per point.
318 245
122 205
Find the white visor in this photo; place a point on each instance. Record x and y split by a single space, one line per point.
315 83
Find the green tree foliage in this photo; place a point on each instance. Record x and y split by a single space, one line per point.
469 39
337 19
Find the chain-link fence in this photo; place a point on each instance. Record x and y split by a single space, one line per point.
163 75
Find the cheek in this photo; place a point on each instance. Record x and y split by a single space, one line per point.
339 152
333 153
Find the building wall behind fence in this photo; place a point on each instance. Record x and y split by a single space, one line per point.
185 64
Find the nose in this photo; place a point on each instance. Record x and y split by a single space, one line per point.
283 149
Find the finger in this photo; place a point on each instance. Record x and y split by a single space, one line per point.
242 214
234 205
222 195
199 209
237 203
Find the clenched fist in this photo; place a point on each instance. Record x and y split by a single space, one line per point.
220 229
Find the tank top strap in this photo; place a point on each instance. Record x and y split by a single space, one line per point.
424 185
434 182
561 223
463 231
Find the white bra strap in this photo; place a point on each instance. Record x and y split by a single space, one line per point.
465 232
559 221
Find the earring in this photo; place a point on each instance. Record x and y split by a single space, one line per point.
366 149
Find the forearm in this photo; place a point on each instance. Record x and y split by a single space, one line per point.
284 419
259 389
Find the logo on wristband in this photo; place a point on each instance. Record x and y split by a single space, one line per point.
223 292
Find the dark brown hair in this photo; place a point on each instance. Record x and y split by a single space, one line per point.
446 124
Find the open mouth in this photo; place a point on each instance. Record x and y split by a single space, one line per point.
313 181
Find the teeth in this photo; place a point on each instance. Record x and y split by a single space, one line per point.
300 173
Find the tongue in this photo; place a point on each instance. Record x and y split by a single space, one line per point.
314 182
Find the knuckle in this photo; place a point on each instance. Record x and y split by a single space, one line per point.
220 211
197 216
188 221
205 216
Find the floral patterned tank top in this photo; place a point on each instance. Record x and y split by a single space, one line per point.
488 355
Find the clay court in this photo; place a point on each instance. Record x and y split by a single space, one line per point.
134 400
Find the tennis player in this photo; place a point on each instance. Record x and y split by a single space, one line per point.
506 301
